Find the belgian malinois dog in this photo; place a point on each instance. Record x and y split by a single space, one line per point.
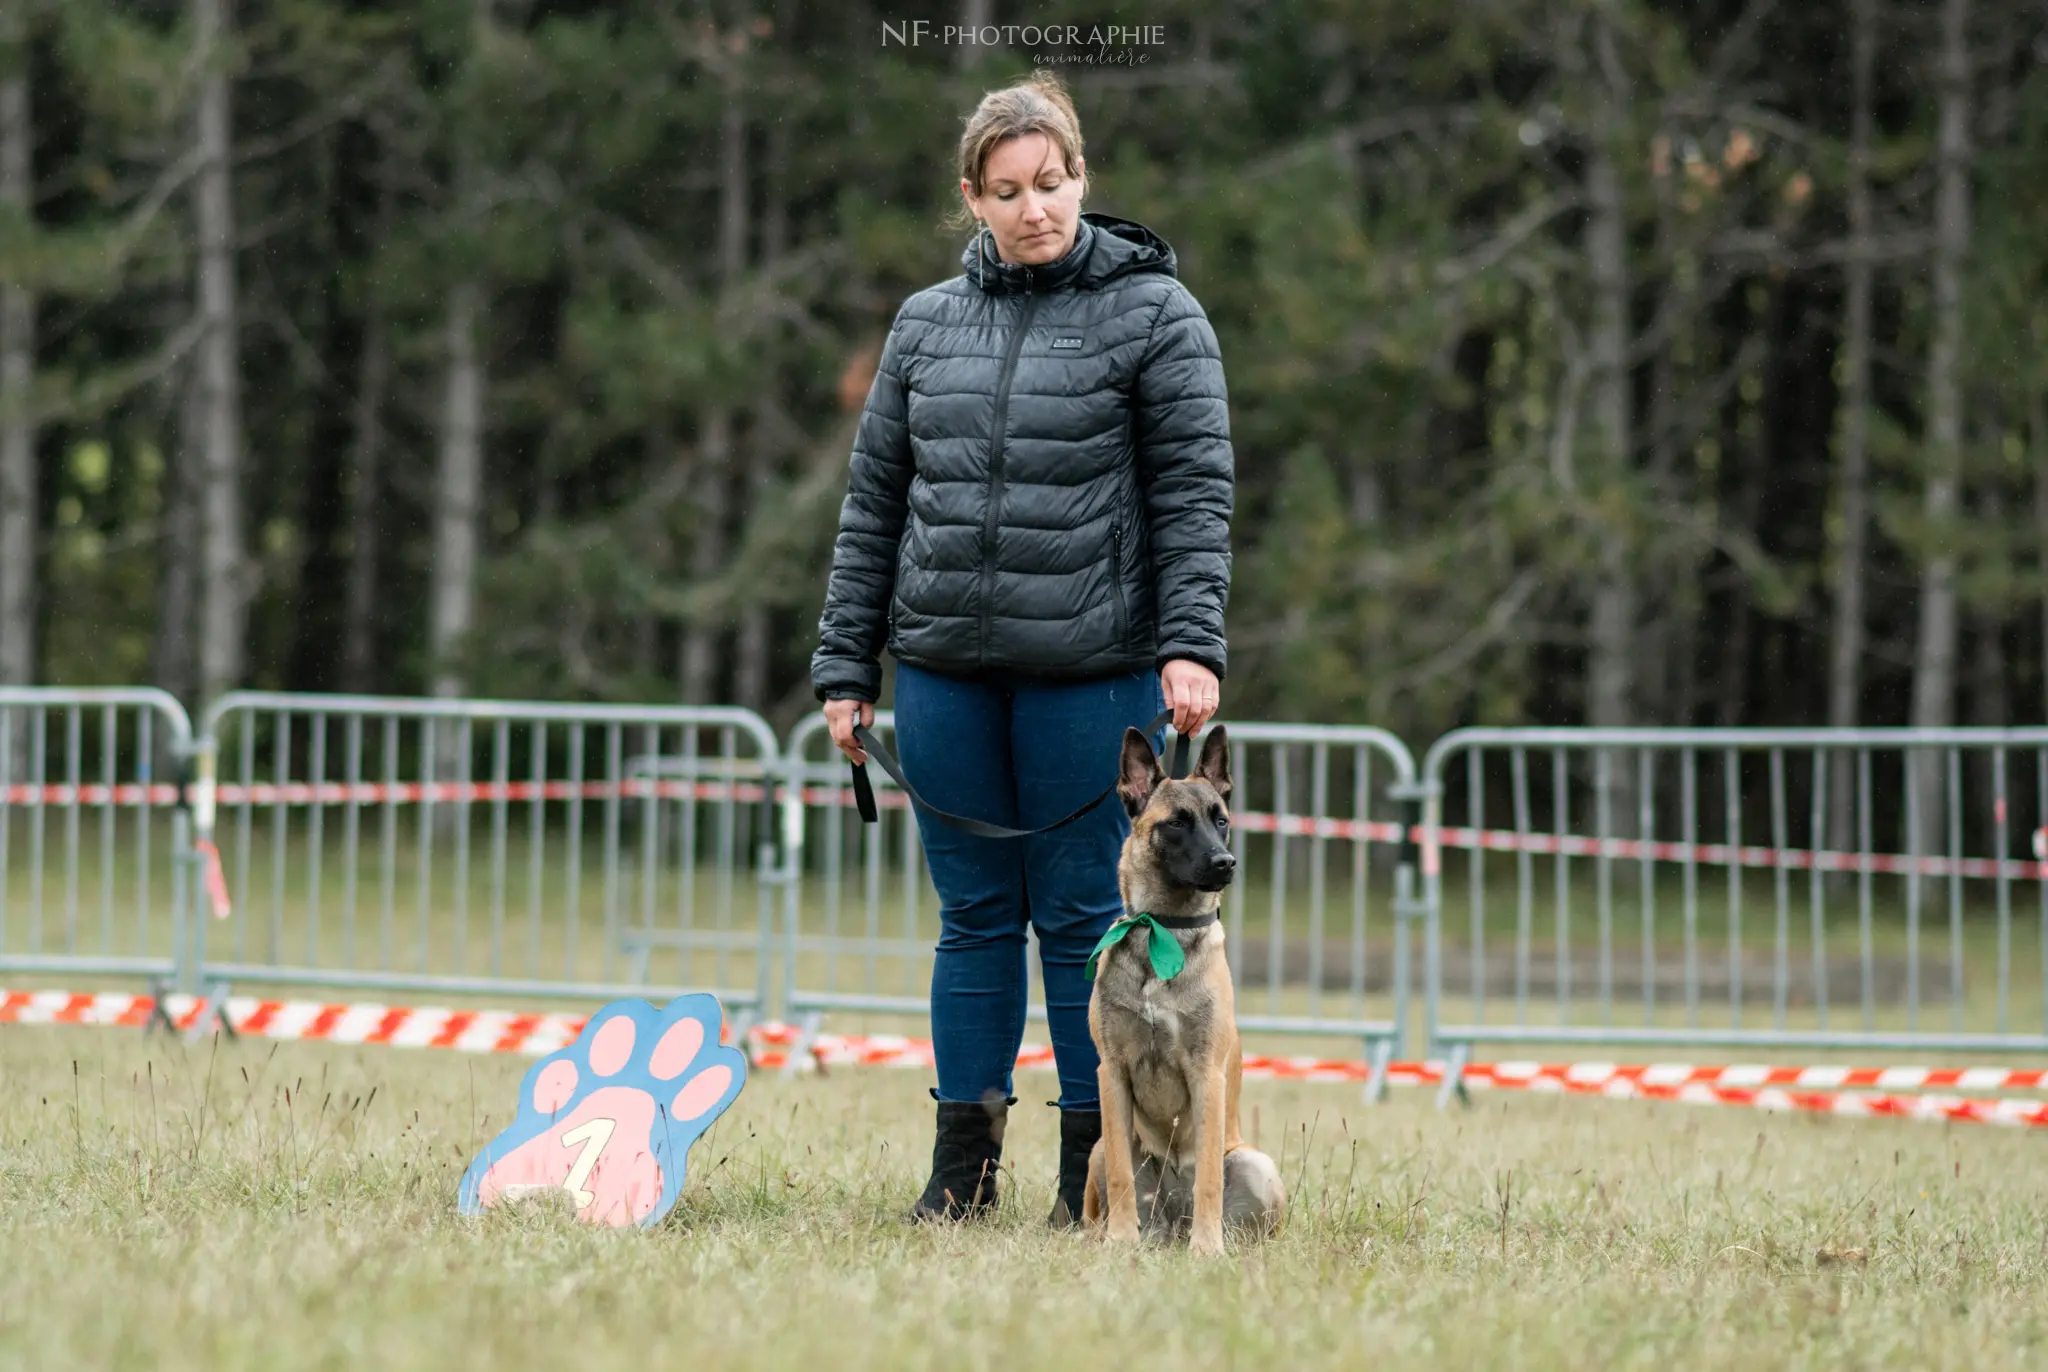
1164 1017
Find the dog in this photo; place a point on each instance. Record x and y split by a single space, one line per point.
1172 1066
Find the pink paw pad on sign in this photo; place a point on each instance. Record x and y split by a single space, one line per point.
609 1120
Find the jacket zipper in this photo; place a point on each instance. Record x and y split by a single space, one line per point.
1116 580
995 472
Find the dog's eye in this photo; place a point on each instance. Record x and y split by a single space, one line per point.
1223 824
1175 820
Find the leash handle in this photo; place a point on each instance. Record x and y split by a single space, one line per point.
864 791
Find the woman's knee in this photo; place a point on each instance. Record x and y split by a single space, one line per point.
994 921
1073 898
1069 930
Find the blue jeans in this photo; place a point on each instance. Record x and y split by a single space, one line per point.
1019 754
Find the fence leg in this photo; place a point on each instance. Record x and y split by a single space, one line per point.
806 1035
159 1008
1381 1053
192 817
1415 859
213 1014
184 959
1453 1086
743 1032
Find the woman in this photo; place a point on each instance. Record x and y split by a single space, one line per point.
1037 526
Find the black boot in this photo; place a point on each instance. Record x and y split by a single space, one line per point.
966 1155
1079 1129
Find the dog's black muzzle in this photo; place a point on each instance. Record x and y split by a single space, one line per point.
1217 871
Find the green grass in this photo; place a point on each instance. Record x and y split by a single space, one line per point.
176 1206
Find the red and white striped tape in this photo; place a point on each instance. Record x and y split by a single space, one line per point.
1601 1076
127 793
470 1031
1759 1086
1862 1104
302 793
480 792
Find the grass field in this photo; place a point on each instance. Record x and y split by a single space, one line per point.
283 1206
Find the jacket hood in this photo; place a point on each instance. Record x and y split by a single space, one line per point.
1105 248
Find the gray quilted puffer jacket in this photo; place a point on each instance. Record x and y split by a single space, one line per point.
1042 477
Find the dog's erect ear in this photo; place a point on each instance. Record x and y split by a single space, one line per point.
1214 767
1138 772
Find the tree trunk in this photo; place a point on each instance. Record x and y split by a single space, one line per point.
1990 707
754 650
1657 673
1610 687
1934 666
174 663
1845 662
707 553
18 498
223 593
359 623
668 466
751 644
1688 605
975 15
457 494
1610 692
1987 691
1732 689
716 453
360 615
1612 603
2037 434
751 650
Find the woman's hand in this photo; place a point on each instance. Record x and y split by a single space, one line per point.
842 715
1191 692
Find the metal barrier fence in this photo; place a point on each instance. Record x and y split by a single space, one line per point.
1317 929
93 882
476 846
1771 889
876 957
1886 860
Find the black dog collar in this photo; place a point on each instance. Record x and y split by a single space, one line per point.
1185 921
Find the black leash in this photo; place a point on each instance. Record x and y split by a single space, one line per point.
864 791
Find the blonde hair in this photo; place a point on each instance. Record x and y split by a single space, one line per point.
1039 104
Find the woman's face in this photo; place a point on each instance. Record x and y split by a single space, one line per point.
1028 201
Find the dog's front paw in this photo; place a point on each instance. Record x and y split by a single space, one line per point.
1123 1230
1206 1245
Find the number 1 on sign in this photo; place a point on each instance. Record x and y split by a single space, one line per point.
593 1136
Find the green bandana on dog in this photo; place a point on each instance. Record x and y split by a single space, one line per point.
1167 957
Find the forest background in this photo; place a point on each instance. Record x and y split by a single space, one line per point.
1591 361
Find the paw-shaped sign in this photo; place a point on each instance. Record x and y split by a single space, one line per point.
609 1119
